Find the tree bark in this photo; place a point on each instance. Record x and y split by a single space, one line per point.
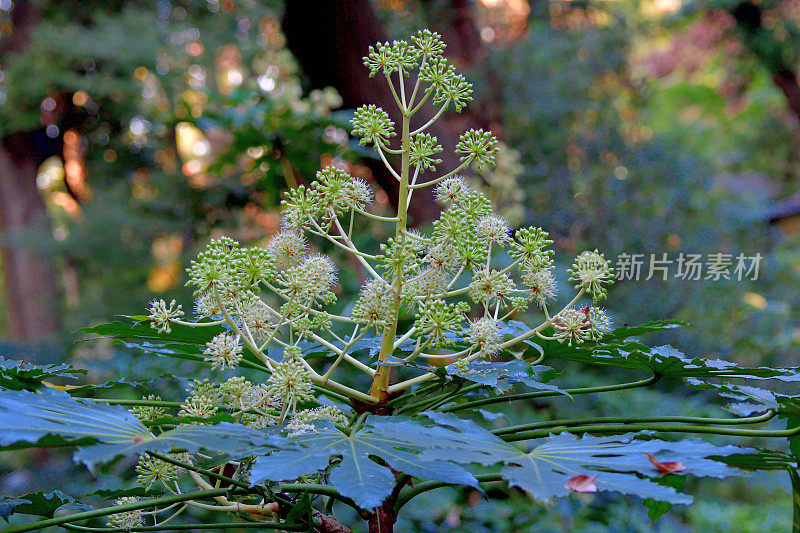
329 38
787 82
769 50
383 518
31 291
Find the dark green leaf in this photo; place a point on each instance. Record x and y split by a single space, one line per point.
19 375
618 350
656 509
504 374
39 504
53 416
398 442
142 331
762 460
234 440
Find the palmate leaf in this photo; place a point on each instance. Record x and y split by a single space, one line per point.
396 441
20 375
752 400
762 460
53 417
619 462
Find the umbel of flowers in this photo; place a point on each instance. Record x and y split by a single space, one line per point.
458 282
454 285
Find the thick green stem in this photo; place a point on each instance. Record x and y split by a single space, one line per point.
572 422
380 381
191 527
143 504
208 473
624 428
543 394
425 486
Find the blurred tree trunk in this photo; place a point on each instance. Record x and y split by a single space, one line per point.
329 38
31 292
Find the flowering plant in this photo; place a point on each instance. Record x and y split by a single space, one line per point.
369 404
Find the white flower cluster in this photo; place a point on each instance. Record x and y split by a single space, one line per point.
162 315
126 520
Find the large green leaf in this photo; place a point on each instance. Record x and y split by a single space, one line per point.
762 460
234 440
751 400
619 462
748 399
398 443
54 418
29 416
182 342
621 348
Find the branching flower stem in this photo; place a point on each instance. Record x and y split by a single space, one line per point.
511 342
433 119
232 323
453 172
394 93
386 163
361 259
314 376
380 382
197 324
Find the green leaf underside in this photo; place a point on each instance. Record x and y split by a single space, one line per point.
39 504
619 461
397 442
